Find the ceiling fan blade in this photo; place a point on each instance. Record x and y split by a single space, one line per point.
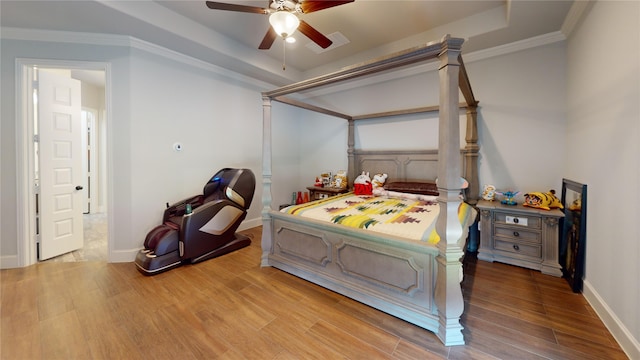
268 40
317 5
314 35
233 7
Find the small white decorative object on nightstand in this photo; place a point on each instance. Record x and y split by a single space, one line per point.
519 235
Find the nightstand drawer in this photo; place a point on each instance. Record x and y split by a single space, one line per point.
520 235
316 193
517 234
519 220
529 250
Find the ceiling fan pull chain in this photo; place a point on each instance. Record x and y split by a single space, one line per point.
284 54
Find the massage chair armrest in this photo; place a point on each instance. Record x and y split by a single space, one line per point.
214 218
179 208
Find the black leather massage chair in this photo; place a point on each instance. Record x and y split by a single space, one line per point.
200 227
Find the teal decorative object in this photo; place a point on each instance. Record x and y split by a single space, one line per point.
508 197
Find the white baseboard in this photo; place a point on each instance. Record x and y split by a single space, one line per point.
251 223
117 256
623 336
9 262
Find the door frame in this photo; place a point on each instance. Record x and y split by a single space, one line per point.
25 177
89 136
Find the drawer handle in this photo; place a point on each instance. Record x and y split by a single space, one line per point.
516 247
516 220
515 233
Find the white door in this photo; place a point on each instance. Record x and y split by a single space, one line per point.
60 200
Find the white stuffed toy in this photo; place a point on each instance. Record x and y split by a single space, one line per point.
379 180
362 184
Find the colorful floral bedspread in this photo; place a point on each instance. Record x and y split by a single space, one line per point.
408 218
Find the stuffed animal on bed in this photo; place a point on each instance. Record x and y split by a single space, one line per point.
362 184
546 201
379 180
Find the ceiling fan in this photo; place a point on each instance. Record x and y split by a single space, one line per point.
283 18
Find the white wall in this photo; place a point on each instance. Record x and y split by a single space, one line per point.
285 166
92 96
218 122
10 51
521 117
323 146
305 144
155 103
404 91
603 132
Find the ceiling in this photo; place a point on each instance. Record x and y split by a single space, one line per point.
230 39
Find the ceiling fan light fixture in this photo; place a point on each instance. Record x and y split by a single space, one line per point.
284 23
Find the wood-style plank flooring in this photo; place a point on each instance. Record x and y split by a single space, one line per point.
231 308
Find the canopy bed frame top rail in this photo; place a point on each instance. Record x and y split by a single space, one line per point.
446 270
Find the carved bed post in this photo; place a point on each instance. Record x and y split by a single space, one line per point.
266 179
351 167
471 156
448 295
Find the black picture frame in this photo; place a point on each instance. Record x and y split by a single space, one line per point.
573 233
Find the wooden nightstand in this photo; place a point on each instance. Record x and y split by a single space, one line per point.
519 235
316 193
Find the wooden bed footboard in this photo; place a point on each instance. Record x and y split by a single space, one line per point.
394 275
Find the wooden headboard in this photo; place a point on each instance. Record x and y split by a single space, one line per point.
407 165
400 165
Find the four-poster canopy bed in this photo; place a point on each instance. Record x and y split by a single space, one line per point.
411 279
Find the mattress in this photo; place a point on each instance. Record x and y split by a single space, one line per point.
405 217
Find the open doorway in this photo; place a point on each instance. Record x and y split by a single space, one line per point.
94 216
86 175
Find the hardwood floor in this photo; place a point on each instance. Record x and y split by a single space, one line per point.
230 308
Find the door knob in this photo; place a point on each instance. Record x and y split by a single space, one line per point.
79 187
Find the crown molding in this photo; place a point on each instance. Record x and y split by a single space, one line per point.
135 43
70 37
578 10
513 47
81 38
197 63
426 67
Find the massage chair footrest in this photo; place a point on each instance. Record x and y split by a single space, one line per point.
161 251
150 264
238 242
